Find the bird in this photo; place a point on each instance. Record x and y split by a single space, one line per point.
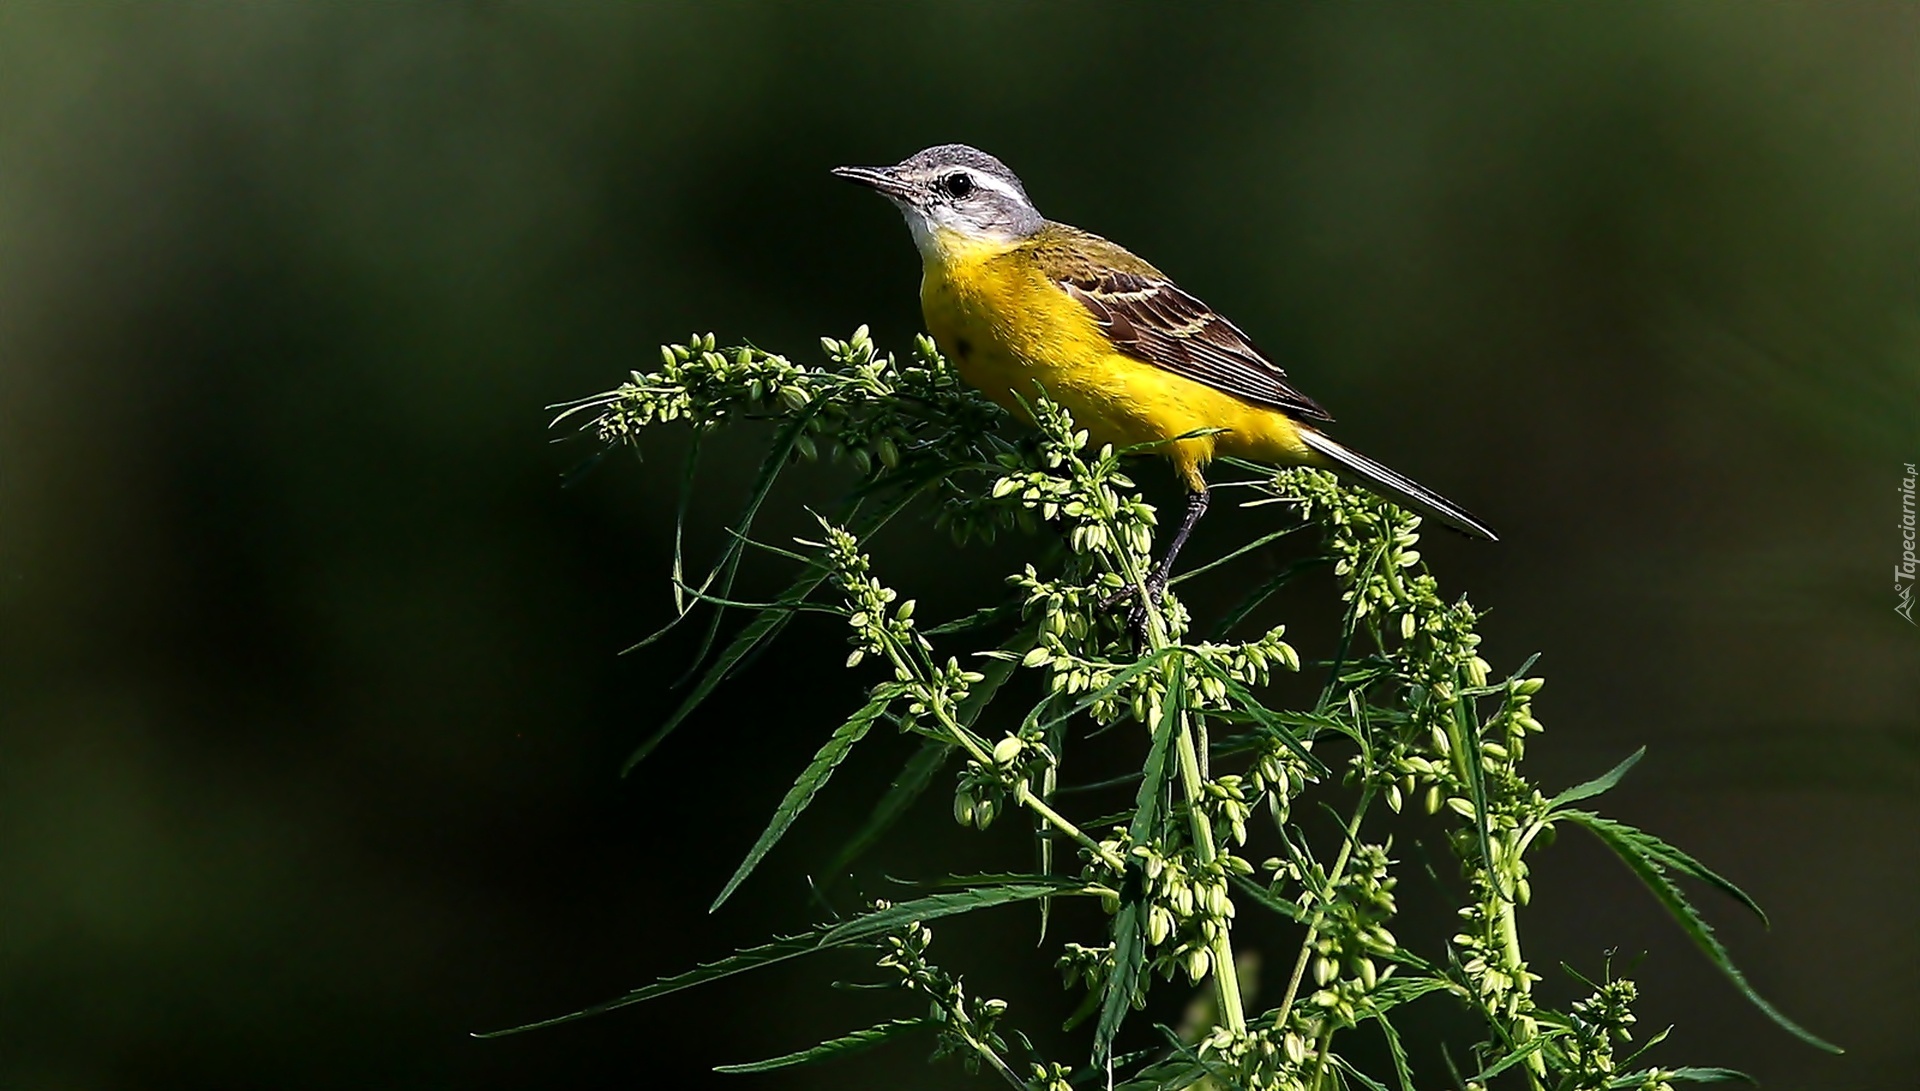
1023 305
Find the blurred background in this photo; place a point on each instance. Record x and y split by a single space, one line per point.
311 704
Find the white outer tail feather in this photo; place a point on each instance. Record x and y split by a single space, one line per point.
1397 487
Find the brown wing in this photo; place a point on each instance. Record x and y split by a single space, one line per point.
1151 319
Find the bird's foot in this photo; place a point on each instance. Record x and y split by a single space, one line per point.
1156 586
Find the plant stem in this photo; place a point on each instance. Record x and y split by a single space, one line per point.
1022 794
1320 1049
1333 877
1226 975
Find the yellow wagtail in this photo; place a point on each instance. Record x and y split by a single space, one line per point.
1023 305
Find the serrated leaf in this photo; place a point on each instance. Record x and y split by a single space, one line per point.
1173 1074
1467 753
1684 1075
1125 675
900 795
1266 718
740 962
1515 1057
1649 857
979 619
1222 1075
929 759
1602 783
996 878
1129 959
846 1044
764 627
1667 855
1401 990
728 568
813 778
1259 896
1237 554
1366 1081
1397 1049
680 523
1145 826
1129 930
932 907
1265 591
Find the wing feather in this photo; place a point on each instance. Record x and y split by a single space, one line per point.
1153 320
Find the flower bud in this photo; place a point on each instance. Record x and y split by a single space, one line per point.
1197 963
1007 749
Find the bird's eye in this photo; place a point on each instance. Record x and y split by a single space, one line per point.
957 185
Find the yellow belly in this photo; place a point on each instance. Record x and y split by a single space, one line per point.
1013 334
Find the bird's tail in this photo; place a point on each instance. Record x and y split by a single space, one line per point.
1397 487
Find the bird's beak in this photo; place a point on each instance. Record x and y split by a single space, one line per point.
882 179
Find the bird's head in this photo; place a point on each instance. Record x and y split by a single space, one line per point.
953 195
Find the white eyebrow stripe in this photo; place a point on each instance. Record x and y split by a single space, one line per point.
1001 186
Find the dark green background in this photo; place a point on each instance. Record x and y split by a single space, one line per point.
309 701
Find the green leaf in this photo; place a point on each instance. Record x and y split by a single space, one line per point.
740 962
1145 826
680 522
1259 896
857 930
836 1047
997 878
1237 554
1649 857
1126 674
1366 1081
979 619
1398 1051
729 565
1602 783
1665 855
1264 592
1129 961
765 626
1513 1058
1129 929
1466 745
906 788
1172 1074
813 778
930 758
932 907
1685 1075
1266 718
1399 990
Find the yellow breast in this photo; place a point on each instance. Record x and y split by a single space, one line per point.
1013 333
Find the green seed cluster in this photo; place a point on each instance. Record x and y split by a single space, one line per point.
1188 907
867 408
967 1026
1410 712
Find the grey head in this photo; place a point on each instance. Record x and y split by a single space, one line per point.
953 190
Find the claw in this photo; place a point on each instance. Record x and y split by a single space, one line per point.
1137 610
1156 583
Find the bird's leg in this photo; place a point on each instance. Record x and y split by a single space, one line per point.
1157 580
1196 507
